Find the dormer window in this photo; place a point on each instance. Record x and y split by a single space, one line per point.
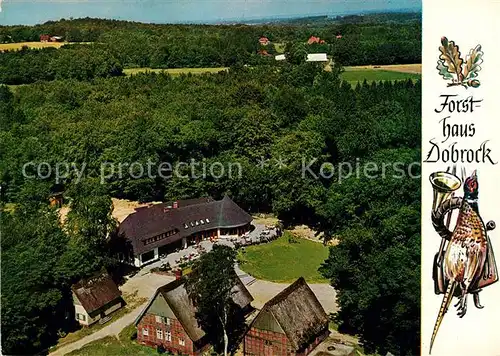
186 226
202 222
192 224
197 223
207 220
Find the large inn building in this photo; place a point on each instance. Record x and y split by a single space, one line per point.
161 228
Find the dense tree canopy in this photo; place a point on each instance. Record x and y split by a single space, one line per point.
40 262
291 138
113 45
376 265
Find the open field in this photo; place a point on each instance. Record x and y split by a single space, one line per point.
404 68
353 75
123 208
18 45
282 261
174 71
265 219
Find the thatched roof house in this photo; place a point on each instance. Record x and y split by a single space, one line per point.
169 319
293 322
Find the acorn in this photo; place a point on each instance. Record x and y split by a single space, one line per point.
473 83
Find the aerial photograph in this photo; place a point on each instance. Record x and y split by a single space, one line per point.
210 177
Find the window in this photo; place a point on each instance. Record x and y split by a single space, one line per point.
145 332
168 336
159 319
182 342
161 236
159 334
80 317
167 320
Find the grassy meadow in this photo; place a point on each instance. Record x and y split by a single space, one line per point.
353 75
18 45
284 261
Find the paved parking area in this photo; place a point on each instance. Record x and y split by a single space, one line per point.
145 283
262 291
331 347
193 251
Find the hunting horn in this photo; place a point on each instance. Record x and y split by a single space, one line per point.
443 184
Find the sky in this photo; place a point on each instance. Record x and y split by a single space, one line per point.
29 12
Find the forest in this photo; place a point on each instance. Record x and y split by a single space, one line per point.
255 116
108 46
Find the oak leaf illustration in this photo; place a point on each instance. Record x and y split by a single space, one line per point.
443 70
473 62
450 58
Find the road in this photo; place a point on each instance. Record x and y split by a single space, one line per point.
112 329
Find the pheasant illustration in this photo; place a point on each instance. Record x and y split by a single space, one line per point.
466 254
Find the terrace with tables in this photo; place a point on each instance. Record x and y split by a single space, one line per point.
184 256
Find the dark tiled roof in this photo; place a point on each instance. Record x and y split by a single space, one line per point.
154 220
187 202
298 312
178 300
96 292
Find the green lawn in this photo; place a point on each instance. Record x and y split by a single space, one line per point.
280 47
110 345
353 76
174 71
282 261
